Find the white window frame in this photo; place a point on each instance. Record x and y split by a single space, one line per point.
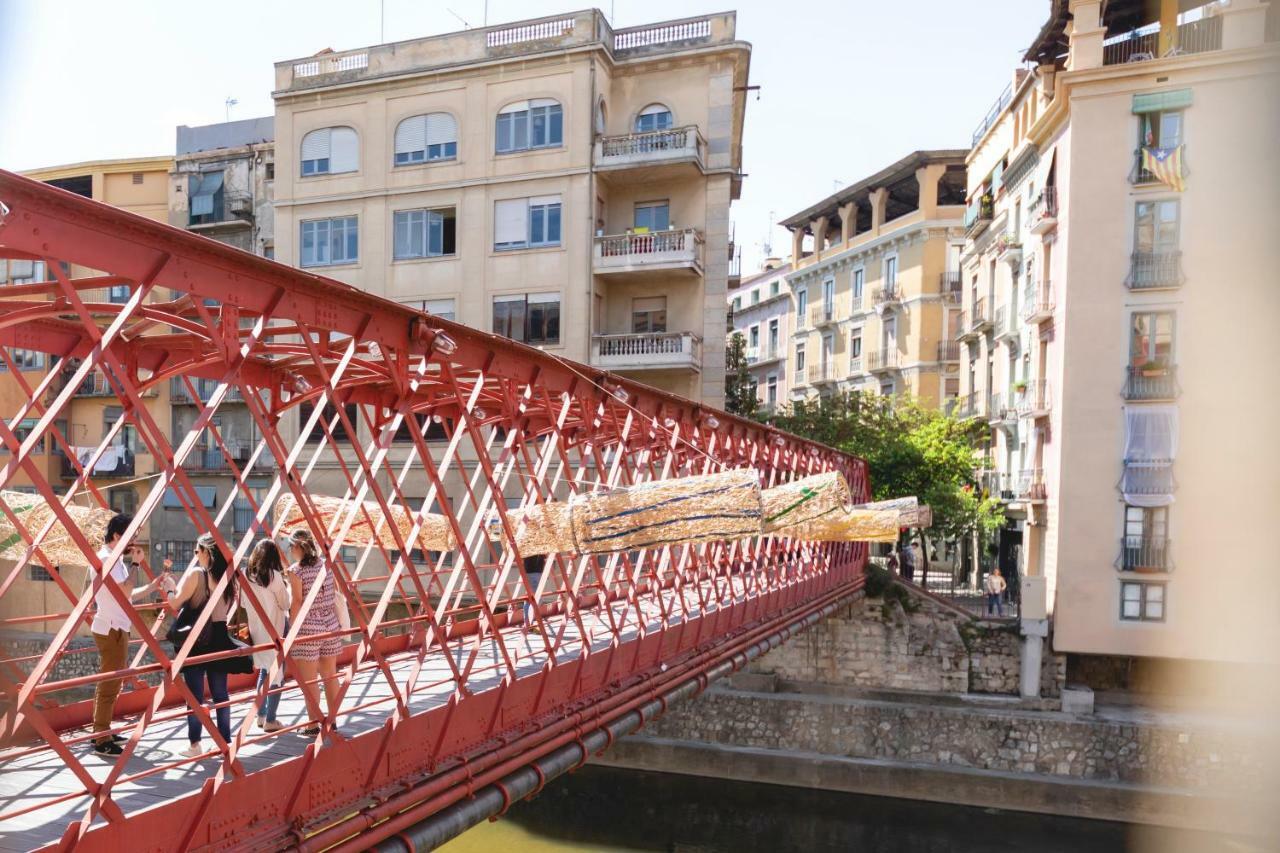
426 138
547 205
1145 601
421 219
351 222
519 131
330 159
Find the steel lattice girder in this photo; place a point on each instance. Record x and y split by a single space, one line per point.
456 420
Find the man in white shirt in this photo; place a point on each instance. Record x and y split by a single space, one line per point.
111 629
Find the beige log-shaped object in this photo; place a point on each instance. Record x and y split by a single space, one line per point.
918 516
665 512
805 500
543 529
853 525
435 535
34 512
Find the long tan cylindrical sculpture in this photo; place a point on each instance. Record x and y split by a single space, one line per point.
853 525
435 534
542 529
34 512
802 501
666 512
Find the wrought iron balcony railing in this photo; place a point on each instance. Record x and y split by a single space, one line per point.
1154 270
1151 381
1145 554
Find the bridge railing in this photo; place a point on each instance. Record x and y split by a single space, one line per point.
403 443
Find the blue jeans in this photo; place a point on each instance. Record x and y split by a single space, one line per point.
272 702
195 677
993 603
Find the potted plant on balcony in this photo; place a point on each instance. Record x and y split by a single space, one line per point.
1158 366
1020 386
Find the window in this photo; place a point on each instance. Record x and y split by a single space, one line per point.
652 216
443 308
1156 226
533 318
205 198
886 389
799 357
521 223
1150 447
859 278
18 271
889 329
1151 340
208 496
330 151
771 391
802 301
891 273
1160 129
773 335
118 294
433 136
123 500
22 432
137 177
649 314
1146 534
127 437
653 117
1141 602
774 288
755 296
39 573
328 416
855 343
326 242
529 124
737 303
828 296
270 171
755 337
425 233
180 552
24 359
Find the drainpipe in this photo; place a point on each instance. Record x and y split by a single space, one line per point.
591 210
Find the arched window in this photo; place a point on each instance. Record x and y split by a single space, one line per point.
653 117
538 123
433 136
329 151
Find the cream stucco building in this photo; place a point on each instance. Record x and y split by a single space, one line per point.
875 295
553 180
1130 404
761 311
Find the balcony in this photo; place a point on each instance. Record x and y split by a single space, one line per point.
647 351
822 315
966 331
883 360
116 461
948 350
949 287
1006 326
179 395
978 215
1148 477
1009 249
979 318
995 408
887 298
1031 398
966 406
1151 381
1030 486
1143 43
822 372
765 353
677 250
1145 554
668 151
855 365
1154 271
1037 304
799 377
1042 213
214 459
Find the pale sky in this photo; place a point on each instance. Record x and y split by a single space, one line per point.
847 87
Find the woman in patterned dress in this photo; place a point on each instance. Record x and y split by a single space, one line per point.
320 655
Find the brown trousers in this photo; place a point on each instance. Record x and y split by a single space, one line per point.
113 649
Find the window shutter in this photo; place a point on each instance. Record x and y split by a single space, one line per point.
315 145
1158 101
544 199
518 106
440 128
411 134
542 298
344 150
439 307
544 102
511 221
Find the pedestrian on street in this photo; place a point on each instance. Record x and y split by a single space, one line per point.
994 587
908 564
111 627
917 561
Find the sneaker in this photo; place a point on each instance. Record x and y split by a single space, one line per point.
107 747
272 726
192 751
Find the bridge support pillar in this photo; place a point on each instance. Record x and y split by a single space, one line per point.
1033 633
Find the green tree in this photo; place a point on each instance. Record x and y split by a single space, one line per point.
910 450
739 390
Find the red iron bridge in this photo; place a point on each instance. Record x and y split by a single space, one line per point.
452 706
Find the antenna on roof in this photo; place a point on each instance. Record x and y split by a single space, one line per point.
229 103
460 18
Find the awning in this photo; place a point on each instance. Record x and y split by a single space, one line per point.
202 195
1154 102
1045 169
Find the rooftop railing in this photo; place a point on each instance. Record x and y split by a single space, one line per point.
1143 43
992 114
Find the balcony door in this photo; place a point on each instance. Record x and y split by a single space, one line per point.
889 335
829 297
773 335
652 216
649 315
828 350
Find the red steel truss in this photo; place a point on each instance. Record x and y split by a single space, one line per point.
444 690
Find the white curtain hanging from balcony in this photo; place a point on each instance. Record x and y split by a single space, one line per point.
1150 447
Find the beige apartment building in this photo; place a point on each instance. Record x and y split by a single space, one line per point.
1110 213
875 286
139 185
553 180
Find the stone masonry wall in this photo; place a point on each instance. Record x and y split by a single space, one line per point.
879 645
1040 742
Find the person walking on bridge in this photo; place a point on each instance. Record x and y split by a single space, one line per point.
266 574
319 656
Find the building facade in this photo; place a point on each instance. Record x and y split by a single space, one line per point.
94 413
876 294
221 187
761 311
1107 213
554 180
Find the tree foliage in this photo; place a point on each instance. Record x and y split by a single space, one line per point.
909 449
739 390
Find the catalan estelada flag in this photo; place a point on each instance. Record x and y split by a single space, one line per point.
1165 164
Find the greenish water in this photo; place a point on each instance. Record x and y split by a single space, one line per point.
603 809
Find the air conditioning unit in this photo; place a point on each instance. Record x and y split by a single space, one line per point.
241 206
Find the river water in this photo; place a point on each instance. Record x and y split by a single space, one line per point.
604 809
